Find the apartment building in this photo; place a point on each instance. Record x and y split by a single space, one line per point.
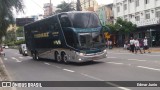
144 13
89 5
105 14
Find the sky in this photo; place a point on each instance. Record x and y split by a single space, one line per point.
35 7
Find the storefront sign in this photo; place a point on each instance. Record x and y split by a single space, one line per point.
148 22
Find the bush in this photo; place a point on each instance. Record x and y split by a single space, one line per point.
19 42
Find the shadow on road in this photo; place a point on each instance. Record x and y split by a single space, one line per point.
70 63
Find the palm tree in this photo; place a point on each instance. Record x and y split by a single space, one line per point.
6 14
65 7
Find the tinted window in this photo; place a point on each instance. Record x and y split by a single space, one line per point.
85 20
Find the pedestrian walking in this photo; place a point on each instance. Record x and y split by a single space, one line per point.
145 43
132 46
137 46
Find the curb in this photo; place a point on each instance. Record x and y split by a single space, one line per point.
5 78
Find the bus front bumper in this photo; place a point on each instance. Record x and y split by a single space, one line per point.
90 57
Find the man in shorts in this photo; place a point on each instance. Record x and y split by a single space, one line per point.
145 43
137 46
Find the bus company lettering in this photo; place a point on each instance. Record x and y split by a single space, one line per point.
55 33
26 84
41 35
57 42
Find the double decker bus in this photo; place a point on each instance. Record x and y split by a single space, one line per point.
75 36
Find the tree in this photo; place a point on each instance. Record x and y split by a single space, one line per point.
19 32
124 26
6 14
65 7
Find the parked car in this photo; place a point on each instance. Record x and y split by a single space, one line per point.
23 49
6 47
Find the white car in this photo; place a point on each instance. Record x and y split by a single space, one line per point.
6 47
23 49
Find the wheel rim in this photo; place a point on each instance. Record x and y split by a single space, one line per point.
58 58
65 58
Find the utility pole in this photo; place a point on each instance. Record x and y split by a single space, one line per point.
50 8
89 4
79 8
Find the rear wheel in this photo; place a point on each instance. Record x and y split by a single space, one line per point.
57 57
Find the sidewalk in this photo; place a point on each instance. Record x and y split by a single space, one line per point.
121 49
4 76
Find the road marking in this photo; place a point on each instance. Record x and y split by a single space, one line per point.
112 84
47 63
123 53
149 68
21 57
123 88
136 60
153 55
111 57
91 77
115 63
57 67
68 70
16 59
5 58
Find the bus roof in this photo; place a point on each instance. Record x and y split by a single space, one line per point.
70 12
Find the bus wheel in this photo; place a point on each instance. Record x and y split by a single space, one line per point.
64 58
57 57
35 56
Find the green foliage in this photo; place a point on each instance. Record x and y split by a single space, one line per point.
13 43
112 28
6 14
10 36
19 32
18 42
124 26
65 7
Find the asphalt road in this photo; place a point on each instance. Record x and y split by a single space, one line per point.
119 66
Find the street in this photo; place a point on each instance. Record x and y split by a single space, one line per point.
119 66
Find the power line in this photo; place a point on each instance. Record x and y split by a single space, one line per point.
37 4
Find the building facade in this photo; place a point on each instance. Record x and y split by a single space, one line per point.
144 13
49 9
89 5
105 14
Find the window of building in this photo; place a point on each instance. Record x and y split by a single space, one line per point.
147 15
146 1
125 6
137 3
130 1
137 18
158 14
118 9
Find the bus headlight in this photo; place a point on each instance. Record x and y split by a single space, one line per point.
104 50
80 54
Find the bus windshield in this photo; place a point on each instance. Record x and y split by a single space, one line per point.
85 20
90 40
